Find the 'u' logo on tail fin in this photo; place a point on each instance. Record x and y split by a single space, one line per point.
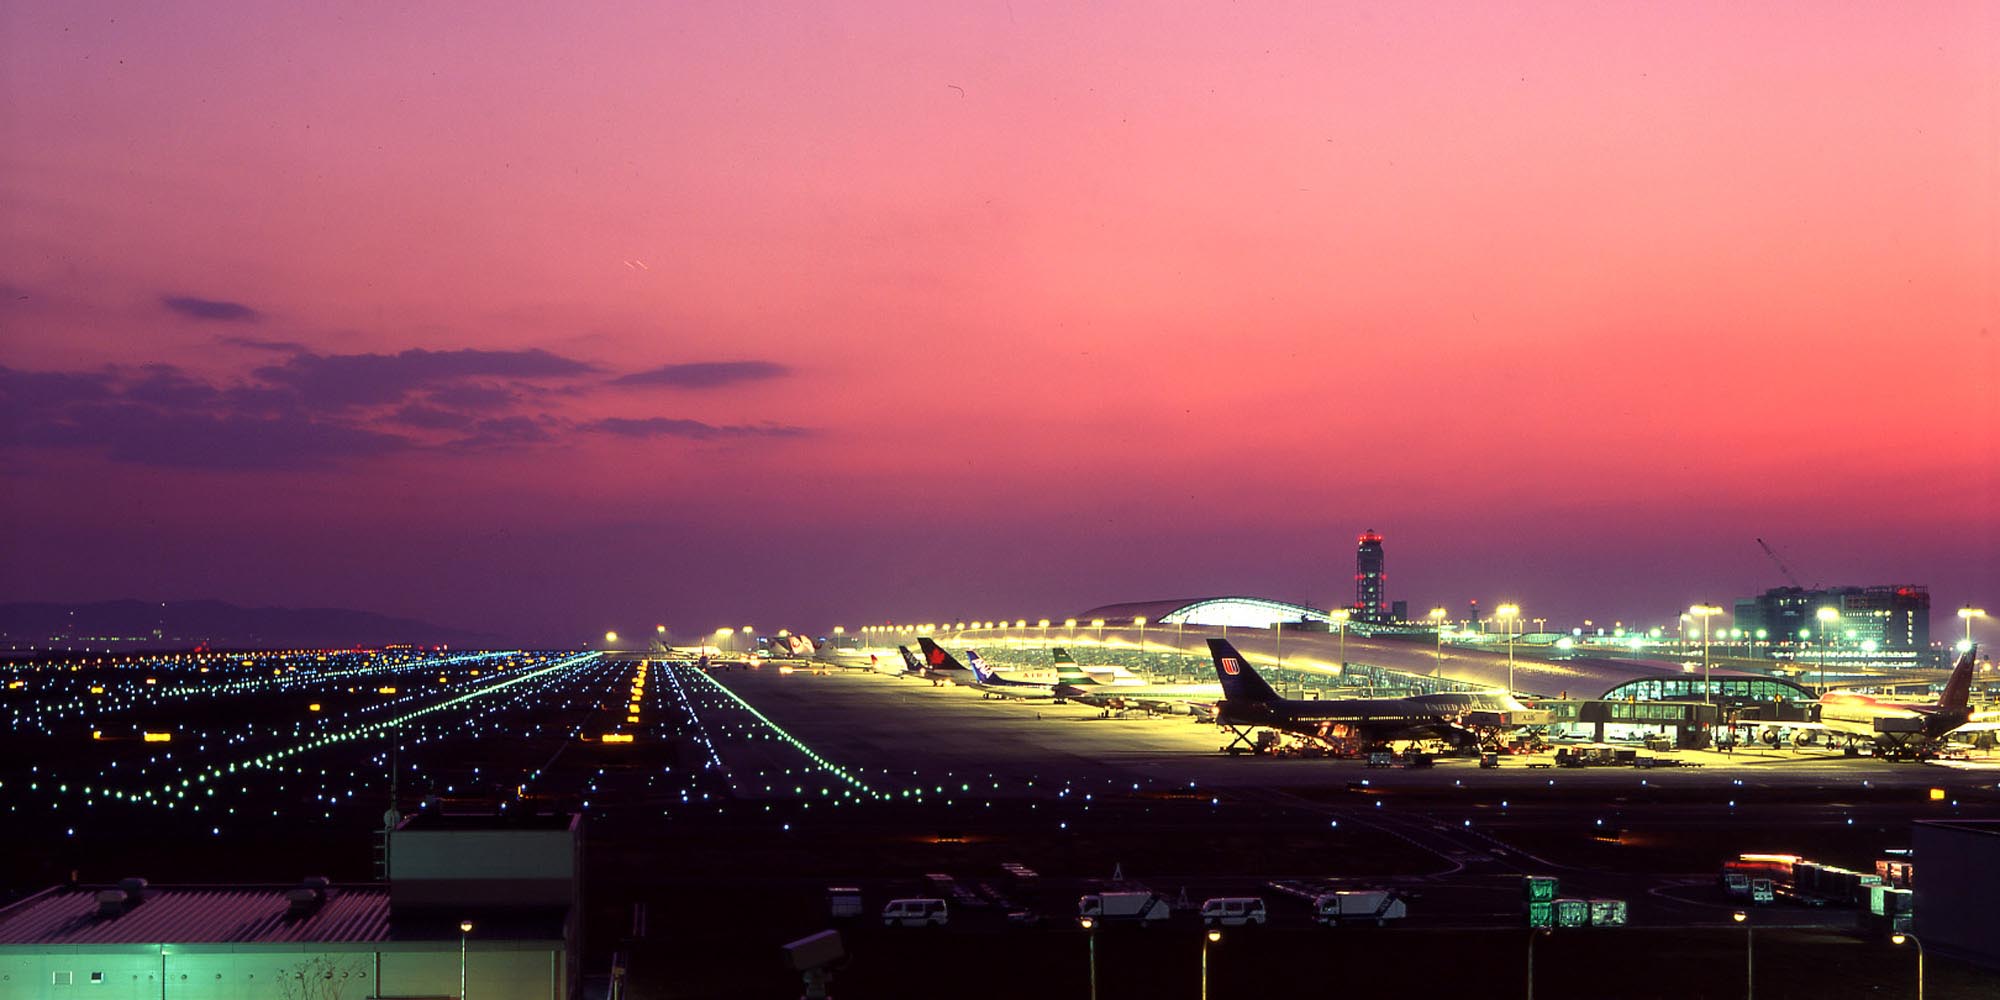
1229 666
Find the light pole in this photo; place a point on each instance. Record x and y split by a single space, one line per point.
1044 626
1705 612
1213 935
1966 615
464 931
1827 617
1141 622
1509 612
1340 616
1533 933
1898 938
1090 935
1098 624
1749 954
1437 619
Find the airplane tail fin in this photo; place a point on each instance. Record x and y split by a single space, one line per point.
1958 688
935 657
1240 681
1067 670
910 664
979 669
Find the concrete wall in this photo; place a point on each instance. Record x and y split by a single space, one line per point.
494 971
482 867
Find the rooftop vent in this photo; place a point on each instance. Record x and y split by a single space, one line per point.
310 895
114 902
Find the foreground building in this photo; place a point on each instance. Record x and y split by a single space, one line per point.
1958 879
471 909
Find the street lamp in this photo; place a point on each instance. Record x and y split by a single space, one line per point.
1141 622
1090 935
724 634
1533 933
1340 616
1705 612
1214 934
464 931
1098 624
1898 938
1278 627
1826 616
1437 619
1508 613
1967 615
1749 954
1044 626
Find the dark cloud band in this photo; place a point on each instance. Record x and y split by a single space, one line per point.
705 374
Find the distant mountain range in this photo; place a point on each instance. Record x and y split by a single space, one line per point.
133 625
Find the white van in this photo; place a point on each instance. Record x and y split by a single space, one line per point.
1232 911
914 913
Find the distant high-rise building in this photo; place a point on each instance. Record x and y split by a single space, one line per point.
1369 604
1399 611
1896 617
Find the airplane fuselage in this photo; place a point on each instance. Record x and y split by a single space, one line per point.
1862 715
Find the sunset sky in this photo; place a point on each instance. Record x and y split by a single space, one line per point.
542 321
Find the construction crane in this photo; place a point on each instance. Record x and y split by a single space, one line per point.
1780 563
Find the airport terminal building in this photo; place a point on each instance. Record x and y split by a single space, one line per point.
1311 653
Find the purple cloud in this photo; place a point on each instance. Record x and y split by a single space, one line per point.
430 417
318 410
215 309
705 374
474 396
339 381
650 427
147 435
276 346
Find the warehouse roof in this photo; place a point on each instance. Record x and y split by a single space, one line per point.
196 914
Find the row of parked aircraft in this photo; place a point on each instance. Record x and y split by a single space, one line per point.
1243 700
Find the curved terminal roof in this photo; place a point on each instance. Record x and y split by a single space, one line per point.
1235 612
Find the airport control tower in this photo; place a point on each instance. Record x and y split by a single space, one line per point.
1369 603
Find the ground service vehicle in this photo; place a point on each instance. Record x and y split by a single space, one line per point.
1736 885
843 902
1232 911
915 913
1354 906
1130 907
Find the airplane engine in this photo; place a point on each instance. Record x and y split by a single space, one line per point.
1770 737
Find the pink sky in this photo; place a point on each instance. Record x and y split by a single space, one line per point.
1057 307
